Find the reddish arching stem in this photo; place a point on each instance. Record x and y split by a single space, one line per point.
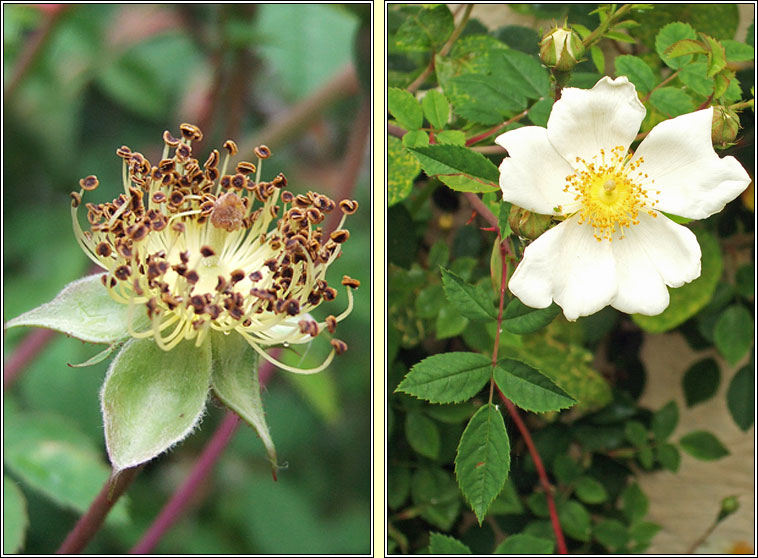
513 412
25 353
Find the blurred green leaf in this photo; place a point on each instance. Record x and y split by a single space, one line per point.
422 434
437 492
575 520
523 544
740 398
700 381
402 169
15 519
565 469
703 445
427 29
634 503
745 280
636 433
449 322
508 502
611 533
664 421
482 461
590 490
444 544
733 334
668 456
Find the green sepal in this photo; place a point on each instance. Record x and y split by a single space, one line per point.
152 399
83 309
99 357
235 382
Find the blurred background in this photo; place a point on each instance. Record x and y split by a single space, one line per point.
79 82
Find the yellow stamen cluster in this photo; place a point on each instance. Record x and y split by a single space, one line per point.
611 195
192 246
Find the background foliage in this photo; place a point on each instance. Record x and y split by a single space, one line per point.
454 81
108 75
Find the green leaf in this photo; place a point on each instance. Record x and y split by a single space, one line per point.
575 520
523 544
47 453
459 167
703 445
447 377
598 58
611 533
422 434
445 544
590 490
405 108
402 168
481 98
235 382
436 108
744 280
521 72
642 533
636 433
737 51
723 82
671 101
664 421
15 518
529 389
427 29
398 486
667 36
508 502
668 456
471 301
716 55
701 381
152 399
83 309
637 71
451 137
688 300
436 493
684 47
733 334
449 322
483 459
565 469
740 398
520 318
634 503
415 138
695 77
539 112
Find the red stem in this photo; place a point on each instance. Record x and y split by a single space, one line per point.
29 348
515 414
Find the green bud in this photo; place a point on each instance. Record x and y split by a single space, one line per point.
726 125
729 505
527 224
561 48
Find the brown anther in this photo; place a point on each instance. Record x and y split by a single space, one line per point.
178 227
256 276
124 250
236 276
76 199
330 293
350 282
152 306
104 281
166 165
198 303
302 201
184 256
331 323
314 215
180 269
292 307
192 277
280 181
245 167
137 232
103 249
271 264
287 196
159 197
170 140
238 181
212 161
339 346
191 132
207 251
89 183
122 272
124 152
228 212
340 236
214 310
231 147
262 152
183 151
206 208
197 324
176 198
137 288
221 284
211 174
348 207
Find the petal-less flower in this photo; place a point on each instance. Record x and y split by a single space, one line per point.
189 246
614 246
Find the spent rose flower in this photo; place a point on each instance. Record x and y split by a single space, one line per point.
204 268
614 245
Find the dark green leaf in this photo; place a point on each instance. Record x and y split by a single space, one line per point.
740 398
670 34
522 73
701 381
422 434
668 456
611 533
520 318
634 503
525 545
426 29
745 280
436 108
440 544
590 490
398 486
636 433
405 108
508 502
695 77
598 58
436 493
470 301
447 377
733 334
637 71
664 421
483 458
575 520
671 101
539 112
482 98
529 389
642 533
703 445
402 168
458 167
565 469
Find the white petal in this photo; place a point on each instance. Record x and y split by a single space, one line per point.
567 264
534 174
585 120
694 182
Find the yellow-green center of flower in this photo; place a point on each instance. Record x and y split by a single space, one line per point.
188 245
611 192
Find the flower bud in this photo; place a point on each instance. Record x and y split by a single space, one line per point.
726 125
527 224
729 505
561 48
